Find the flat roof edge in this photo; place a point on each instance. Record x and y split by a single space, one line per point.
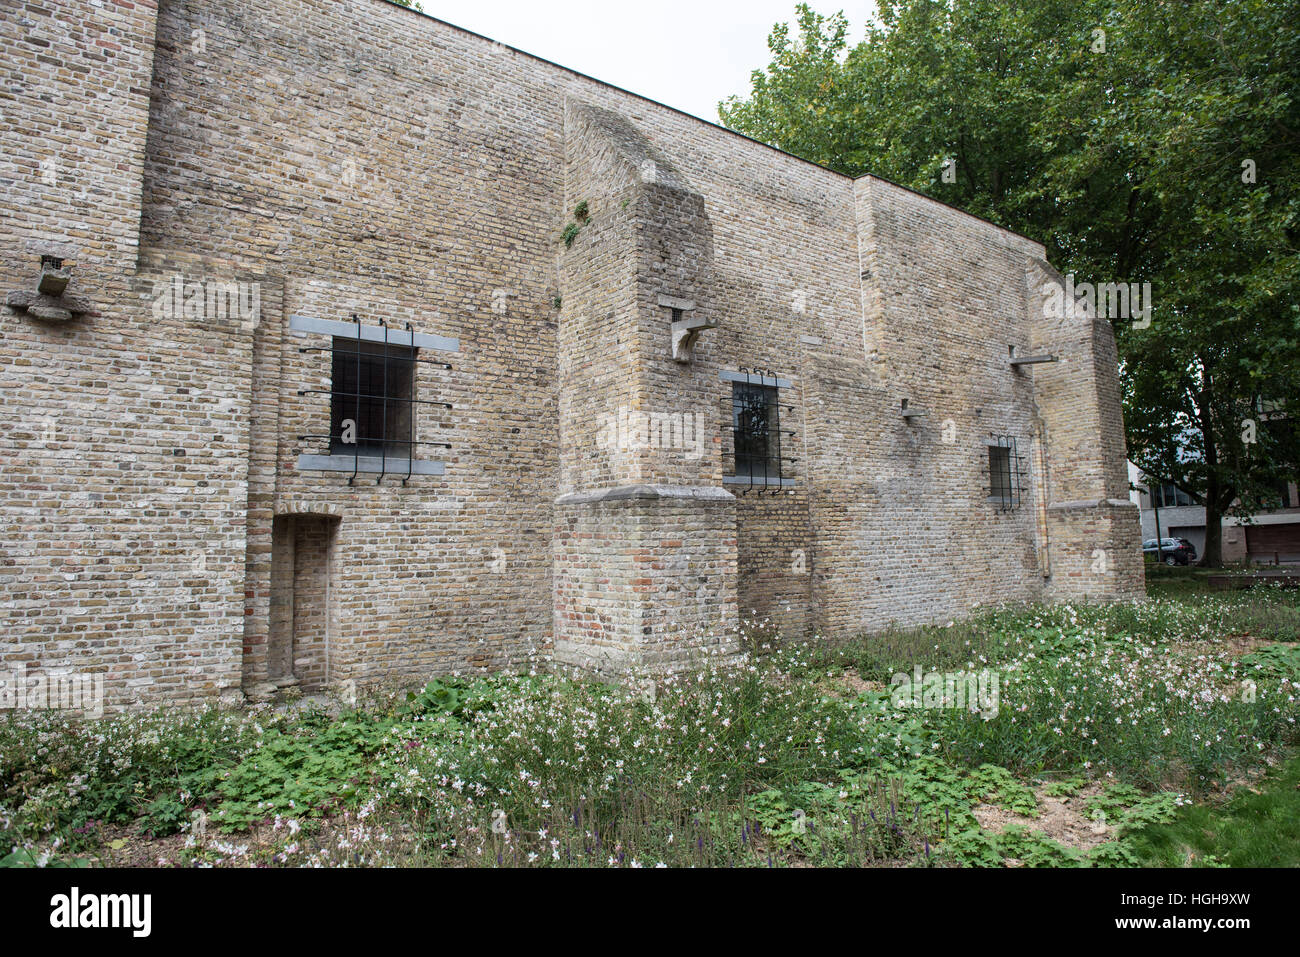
700 119
613 86
964 212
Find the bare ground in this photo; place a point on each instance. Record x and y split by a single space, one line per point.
1063 819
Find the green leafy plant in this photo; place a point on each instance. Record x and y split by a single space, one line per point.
581 214
1277 660
303 774
769 763
25 857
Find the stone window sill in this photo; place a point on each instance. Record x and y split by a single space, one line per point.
372 464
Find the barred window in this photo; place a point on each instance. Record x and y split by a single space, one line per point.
756 429
371 398
1000 472
1005 486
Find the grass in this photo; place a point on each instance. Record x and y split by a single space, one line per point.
1185 608
1259 826
1142 708
1178 581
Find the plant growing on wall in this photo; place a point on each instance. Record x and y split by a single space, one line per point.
581 213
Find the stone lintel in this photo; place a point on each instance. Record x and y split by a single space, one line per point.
676 302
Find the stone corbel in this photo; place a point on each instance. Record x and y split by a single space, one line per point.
50 301
686 328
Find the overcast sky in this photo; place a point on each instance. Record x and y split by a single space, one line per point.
686 53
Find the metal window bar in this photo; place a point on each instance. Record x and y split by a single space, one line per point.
356 452
384 439
383 443
744 422
410 416
1008 488
746 437
753 421
776 437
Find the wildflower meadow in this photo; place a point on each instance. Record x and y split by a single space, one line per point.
1090 728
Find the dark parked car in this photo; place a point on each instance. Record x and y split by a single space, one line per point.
1173 551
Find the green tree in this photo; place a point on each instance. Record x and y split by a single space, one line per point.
1140 141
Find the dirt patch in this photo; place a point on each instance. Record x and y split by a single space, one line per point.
850 683
1063 819
1233 646
124 846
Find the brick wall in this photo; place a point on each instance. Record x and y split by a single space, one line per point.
348 157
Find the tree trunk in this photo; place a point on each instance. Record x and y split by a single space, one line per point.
1213 557
1216 496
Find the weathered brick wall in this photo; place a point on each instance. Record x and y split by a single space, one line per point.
279 644
76 108
350 157
646 540
124 450
599 340
943 303
1092 525
645 580
777 561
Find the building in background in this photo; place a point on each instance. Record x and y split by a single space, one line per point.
1267 537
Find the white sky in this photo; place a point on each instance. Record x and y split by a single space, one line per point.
688 54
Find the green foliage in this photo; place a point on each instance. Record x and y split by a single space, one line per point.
939 791
304 772
65 774
1114 854
1105 703
25 857
1064 787
1276 621
581 213
165 815
995 785
1255 827
978 848
1123 806
1281 661
1004 633
450 696
863 822
759 765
